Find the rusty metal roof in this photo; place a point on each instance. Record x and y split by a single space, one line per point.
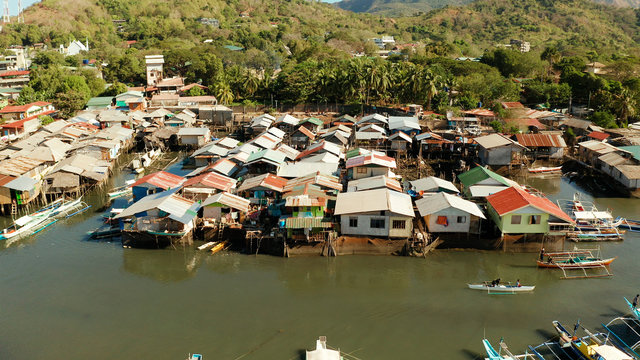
541 140
161 179
212 180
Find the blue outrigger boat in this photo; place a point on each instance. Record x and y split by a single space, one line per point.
631 225
634 309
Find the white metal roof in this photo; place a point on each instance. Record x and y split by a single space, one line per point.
399 122
373 118
440 201
305 168
288 119
433 183
485 190
374 200
193 132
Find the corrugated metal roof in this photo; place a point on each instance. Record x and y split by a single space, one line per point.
323 157
264 181
225 167
630 171
312 120
212 180
305 168
493 141
612 159
160 179
194 132
19 166
178 208
374 182
440 201
401 136
597 146
268 156
374 200
276 132
266 141
373 118
288 151
512 199
228 200
541 140
288 119
599 135
23 183
478 174
319 147
211 150
433 184
4 179
306 132
227 142
304 200
372 159
306 222
400 122
323 180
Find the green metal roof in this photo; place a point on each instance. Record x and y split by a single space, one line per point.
233 47
314 121
355 152
478 174
635 150
102 101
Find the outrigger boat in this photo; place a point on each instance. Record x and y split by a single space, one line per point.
121 190
500 288
545 170
635 311
493 354
591 223
25 225
631 225
590 347
579 259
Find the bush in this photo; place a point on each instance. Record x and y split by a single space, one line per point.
603 119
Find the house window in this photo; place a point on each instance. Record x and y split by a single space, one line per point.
462 219
361 170
377 224
516 219
534 219
398 224
353 222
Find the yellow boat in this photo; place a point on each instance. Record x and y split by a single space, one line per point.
219 246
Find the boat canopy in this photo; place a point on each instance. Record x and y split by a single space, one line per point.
592 215
23 220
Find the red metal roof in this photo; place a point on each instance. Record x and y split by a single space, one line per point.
161 179
513 198
212 180
512 105
598 135
479 112
20 123
541 140
22 108
14 73
5 179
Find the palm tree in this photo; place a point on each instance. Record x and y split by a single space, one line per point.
626 104
431 83
251 83
224 93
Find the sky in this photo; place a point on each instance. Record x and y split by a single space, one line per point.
13 5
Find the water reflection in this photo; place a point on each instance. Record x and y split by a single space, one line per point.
166 265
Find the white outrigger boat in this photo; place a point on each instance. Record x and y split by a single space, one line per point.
26 224
123 190
501 288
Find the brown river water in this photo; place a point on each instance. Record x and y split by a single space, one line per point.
65 297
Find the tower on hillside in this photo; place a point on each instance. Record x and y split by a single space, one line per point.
20 13
154 68
5 12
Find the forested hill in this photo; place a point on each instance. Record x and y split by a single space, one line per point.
410 7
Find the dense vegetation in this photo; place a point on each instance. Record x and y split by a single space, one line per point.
301 52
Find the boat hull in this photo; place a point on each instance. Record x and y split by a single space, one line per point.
501 288
577 265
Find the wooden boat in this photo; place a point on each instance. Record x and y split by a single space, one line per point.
545 169
635 311
321 352
118 192
218 247
104 232
578 259
590 347
506 288
206 246
631 225
194 357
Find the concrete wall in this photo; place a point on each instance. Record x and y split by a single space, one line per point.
452 216
496 156
192 140
523 227
364 225
361 172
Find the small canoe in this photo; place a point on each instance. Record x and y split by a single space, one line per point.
545 169
576 264
207 245
218 247
501 288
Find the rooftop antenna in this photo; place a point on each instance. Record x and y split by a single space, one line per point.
5 12
20 12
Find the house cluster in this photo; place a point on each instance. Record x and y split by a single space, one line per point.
308 181
43 162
